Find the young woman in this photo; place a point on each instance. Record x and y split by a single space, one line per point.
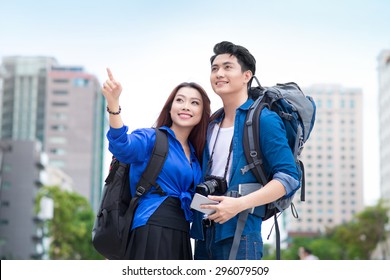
160 229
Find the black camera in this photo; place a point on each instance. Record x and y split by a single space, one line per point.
212 185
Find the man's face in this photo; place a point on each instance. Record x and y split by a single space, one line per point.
227 76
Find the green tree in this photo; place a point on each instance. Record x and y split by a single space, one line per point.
353 240
323 247
359 238
71 226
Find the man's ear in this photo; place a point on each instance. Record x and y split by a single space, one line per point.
248 75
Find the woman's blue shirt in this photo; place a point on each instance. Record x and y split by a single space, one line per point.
178 177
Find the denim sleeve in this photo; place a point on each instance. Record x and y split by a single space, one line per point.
289 183
279 161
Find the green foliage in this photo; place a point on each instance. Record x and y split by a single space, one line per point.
355 240
70 229
359 238
323 248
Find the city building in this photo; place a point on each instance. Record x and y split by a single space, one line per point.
384 120
383 249
63 108
51 133
74 128
21 176
333 158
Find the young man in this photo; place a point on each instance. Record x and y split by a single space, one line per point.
232 68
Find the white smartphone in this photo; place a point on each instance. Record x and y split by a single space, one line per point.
198 200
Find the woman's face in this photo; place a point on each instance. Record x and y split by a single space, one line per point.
187 108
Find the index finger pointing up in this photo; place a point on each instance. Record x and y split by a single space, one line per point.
109 73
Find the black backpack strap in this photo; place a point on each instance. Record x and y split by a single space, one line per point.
113 168
254 156
157 159
147 180
303 182
251 141
255 163
277 233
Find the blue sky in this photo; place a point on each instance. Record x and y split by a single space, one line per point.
151 46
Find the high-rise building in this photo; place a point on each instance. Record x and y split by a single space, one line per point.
23 97
74 128
21 175
333 158
384 122
63 108
383 249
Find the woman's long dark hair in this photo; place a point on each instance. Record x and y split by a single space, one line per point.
197 136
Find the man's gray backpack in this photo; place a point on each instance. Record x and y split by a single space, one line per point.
297 112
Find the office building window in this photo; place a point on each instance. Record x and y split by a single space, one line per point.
59 104
79 82
57 140
7 167
5 203
58 127
60 92
6 185
57 163
60 81
56 151
59 116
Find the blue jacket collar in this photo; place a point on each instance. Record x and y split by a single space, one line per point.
244 107
172 133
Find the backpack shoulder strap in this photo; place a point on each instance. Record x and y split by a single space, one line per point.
155 164
147 180
251 142
254 157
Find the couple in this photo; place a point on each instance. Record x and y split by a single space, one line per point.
161 226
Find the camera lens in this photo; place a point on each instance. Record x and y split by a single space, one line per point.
207 187
202 189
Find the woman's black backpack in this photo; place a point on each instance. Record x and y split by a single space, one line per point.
111 231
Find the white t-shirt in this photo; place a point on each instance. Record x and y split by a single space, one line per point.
221 150
311 257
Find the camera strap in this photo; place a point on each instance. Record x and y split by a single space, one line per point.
242 217
210 162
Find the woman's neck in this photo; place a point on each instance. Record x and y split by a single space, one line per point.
182 135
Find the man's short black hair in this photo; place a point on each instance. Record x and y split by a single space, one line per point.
244 57
307 250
